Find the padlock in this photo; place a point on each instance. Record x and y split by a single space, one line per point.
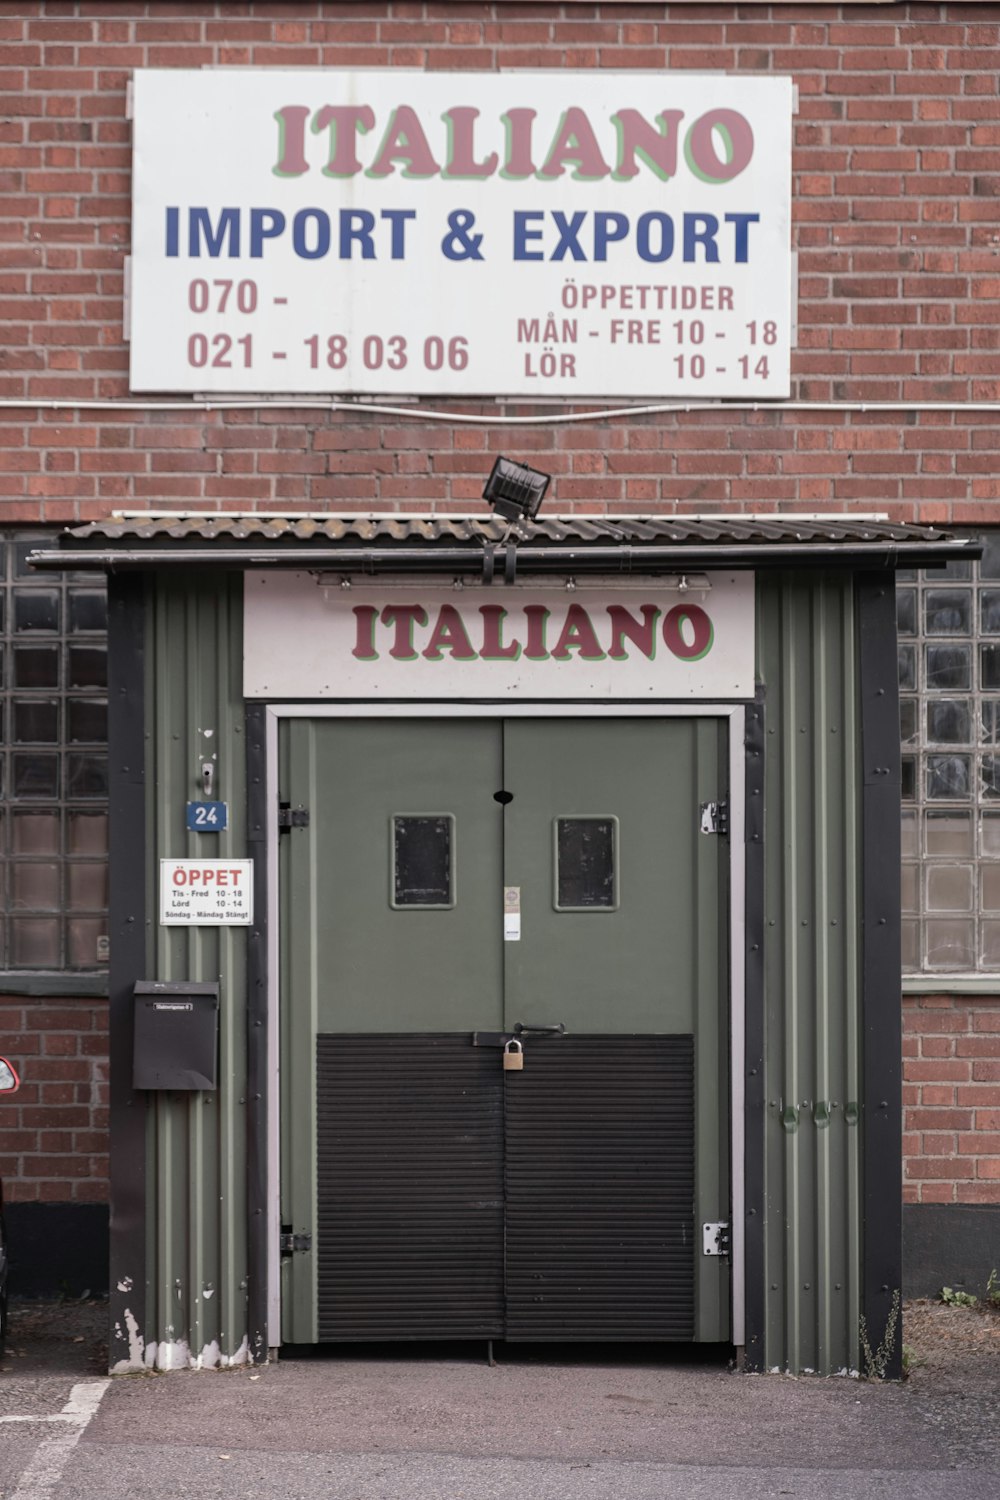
513 1057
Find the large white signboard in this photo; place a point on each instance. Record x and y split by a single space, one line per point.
534 234
306 639
206 892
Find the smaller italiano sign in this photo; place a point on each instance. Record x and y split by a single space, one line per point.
306 639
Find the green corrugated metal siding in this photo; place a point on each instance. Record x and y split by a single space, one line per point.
196 1246
196 1145
811 947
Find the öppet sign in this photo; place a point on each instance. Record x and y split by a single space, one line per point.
533 233
206 892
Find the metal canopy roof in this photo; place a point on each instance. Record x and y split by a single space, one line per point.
463 544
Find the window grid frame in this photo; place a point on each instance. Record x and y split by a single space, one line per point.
927 869
41 933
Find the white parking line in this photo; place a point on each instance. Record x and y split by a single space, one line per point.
47 1466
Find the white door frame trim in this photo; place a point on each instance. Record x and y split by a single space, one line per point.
733 713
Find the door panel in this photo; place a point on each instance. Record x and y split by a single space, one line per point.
410 1173
600 1188
389 966
628 967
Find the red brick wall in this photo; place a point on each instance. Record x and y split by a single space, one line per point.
896 188
951 1099
53 1131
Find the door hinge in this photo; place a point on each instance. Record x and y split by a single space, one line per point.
715 1238
292 817
293 1244
715 817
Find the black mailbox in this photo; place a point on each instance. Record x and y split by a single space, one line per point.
176 1036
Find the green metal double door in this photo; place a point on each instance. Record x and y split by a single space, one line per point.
462 882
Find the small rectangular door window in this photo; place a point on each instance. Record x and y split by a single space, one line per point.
422 860
586 863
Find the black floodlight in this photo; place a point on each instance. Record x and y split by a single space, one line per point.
515 491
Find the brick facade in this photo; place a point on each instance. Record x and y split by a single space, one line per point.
896 206
951 1099
53 1144
895 189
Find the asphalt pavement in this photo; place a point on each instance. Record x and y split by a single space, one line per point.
433 1424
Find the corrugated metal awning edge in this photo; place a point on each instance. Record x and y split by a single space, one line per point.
568 558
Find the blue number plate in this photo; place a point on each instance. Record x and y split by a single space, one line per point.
207 817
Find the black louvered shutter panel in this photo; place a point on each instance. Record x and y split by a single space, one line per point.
410 1186
600 1189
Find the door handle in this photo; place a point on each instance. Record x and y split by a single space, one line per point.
520 1027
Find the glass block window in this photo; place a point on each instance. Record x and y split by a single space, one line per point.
949 677
53 766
